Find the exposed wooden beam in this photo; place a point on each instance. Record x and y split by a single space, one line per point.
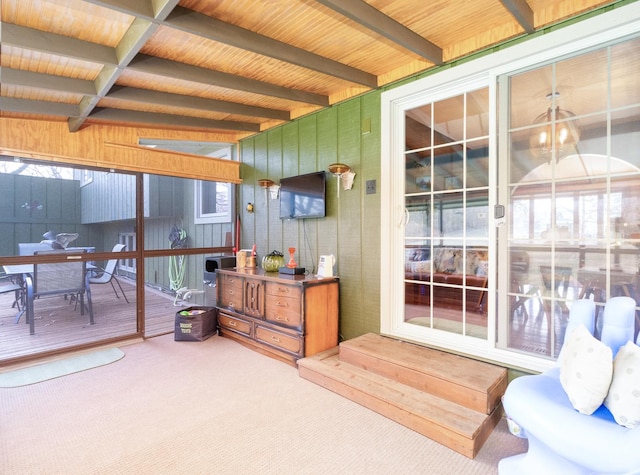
197 103
12 104
178 121
58 45
521 12
134 39
214 29
185 72
46 81
373 19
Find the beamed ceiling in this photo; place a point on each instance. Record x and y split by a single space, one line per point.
236 66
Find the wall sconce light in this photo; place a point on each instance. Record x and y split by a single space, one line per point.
340 171
274 190
250 207
556 131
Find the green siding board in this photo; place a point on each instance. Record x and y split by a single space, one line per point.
308 143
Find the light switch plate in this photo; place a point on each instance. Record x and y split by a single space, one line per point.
371 187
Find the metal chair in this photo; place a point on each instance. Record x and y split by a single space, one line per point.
8 285
107 275
58 278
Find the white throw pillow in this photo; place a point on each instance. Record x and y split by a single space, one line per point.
623 400
586 370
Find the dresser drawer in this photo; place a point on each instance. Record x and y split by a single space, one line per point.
234 324
284 311
230 292
283 290
289 343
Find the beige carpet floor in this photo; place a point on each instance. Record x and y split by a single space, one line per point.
212 407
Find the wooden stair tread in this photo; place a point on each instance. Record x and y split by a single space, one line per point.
459 419
474 384
446 366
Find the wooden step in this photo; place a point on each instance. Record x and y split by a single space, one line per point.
473 384
456 426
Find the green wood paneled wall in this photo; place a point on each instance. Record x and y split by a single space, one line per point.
349 133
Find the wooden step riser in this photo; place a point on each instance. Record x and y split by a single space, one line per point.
467 397
467 445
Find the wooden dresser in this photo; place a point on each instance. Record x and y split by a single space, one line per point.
284 316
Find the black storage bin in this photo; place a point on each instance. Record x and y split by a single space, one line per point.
195 324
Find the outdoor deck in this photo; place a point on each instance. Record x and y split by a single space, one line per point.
59 324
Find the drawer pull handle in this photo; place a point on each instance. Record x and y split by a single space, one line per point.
231 292
283 289
276 339
280 304
232 323
282 319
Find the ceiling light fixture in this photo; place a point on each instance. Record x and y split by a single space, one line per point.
555 133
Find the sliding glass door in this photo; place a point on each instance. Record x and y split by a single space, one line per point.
510 189
572 191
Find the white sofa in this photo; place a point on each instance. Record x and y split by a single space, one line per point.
561 439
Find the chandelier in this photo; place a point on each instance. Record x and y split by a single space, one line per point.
555 134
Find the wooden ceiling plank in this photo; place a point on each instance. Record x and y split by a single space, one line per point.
46 81
185 72
373 19
145 9
139 8
178 100
120 115
201 25
12 104
36 40
521 12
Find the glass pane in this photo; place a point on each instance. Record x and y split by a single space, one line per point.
417 264
448 173
418 128
581 83
527 97
419 216
449 215
448 120
478 163
625 137
478 113
477 214
625 63
418 172
417 300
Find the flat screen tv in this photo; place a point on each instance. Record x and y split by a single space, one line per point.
303 196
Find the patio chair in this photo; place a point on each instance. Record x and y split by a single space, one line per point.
58 278
8 285
107 275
